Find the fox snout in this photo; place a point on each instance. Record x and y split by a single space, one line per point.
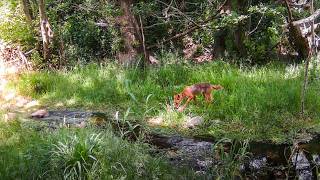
218 87
176 100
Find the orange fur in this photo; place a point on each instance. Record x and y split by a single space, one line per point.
190 92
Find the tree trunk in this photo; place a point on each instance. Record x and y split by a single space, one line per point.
26 10
296 39
130 31
240 31
219 46
46 31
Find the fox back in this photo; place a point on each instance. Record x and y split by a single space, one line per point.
200 88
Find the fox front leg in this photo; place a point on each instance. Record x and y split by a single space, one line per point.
185 105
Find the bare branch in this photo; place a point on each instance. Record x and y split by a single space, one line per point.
256 26
300 5
102 24
315 15
175 37
307 31
143 41
178 10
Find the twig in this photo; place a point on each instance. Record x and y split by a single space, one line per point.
143 41
180 12
29 52
256 26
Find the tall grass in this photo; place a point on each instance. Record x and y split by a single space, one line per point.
259 102
77 154
229 163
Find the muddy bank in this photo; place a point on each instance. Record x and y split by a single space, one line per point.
263 160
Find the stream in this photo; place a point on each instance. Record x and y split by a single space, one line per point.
263 160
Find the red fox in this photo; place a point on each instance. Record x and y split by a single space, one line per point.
190 93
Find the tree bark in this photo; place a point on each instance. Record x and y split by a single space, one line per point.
311 18
298 42
46 31
26 10
131 34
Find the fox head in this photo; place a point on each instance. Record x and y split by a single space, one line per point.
177 99
217 87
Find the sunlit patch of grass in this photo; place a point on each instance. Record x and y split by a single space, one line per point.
172 119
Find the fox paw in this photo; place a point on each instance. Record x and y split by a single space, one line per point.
180 109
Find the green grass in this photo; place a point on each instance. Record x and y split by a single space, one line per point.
261 103
77 154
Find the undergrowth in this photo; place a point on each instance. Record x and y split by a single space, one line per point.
77 154
260 103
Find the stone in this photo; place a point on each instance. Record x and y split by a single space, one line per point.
10 116
155 121
81 125
41 113
193 122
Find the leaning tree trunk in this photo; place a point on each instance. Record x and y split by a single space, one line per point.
46 31
296 38
130 31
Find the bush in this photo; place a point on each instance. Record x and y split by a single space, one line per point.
13 26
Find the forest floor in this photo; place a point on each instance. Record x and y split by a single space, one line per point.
259 104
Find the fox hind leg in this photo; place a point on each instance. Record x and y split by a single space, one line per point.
208 97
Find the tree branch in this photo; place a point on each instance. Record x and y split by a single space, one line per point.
180 12
315 15
190 29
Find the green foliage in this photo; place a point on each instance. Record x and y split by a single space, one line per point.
257 24
13 27
266 32
23 153
77 157
75 25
